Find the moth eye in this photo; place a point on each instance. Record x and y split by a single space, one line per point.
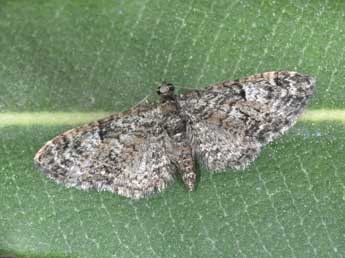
171 87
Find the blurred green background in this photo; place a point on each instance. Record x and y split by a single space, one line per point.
105 56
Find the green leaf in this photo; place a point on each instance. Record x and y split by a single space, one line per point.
65 62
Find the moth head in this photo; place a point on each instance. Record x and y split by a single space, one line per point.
166 90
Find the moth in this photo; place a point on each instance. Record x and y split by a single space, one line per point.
141 151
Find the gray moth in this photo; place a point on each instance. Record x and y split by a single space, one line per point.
141 151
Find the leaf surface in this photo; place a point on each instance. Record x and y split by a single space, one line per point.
105 56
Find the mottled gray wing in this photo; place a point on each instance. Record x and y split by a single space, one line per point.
124 153
231 121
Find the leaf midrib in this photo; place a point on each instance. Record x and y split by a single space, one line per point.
75 118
